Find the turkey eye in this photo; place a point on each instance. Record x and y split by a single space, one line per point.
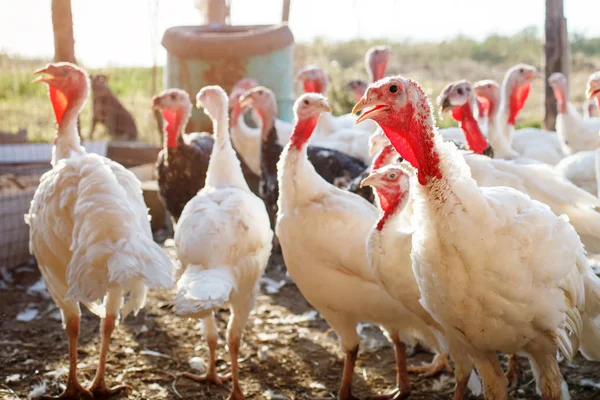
306 102
489 86
393 89
468 89
459 91
260 92
65 70
392 175
521 70
172 96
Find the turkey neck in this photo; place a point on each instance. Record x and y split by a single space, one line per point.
67 137
392 202
270 149
464 115
560 92
299 182
224 168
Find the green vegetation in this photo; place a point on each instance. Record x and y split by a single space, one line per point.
24 105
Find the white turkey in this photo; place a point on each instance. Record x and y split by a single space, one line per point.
223 240
538 144
89 230
314 80
579 168
323 233
576 133
499 271
538 180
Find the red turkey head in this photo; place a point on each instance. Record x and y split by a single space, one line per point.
214 101
402 109
488 94
67 86
241 87
517 84
390 179
307 110
558 83
358 88
454 95
376 60
313 79
459 97
392 186
175 107
263 100
593 87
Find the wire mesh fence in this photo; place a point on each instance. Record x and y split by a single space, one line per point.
17 186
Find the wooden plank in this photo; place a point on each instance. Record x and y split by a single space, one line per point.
129 154
27 153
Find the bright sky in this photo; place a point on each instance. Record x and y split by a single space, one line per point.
118 32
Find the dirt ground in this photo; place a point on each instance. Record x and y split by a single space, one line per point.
286 352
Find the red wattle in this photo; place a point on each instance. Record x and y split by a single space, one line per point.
415 144
389 202
303 131
310 86
518 96
60 102
483 109
463 114
561 101
173 121
235 114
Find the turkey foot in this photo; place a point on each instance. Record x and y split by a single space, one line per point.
513 371
394 395
236 394
100 390
211 377
74 391
438 365
346 385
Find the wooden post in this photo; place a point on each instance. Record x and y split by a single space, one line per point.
64 41
62 24
557 54
285 15
216 12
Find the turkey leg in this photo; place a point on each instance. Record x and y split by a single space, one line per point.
74 389
98 388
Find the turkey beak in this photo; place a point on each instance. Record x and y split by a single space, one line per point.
324 107
376 106
156 103
43 75
592 90
245 101
368 180
445 104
